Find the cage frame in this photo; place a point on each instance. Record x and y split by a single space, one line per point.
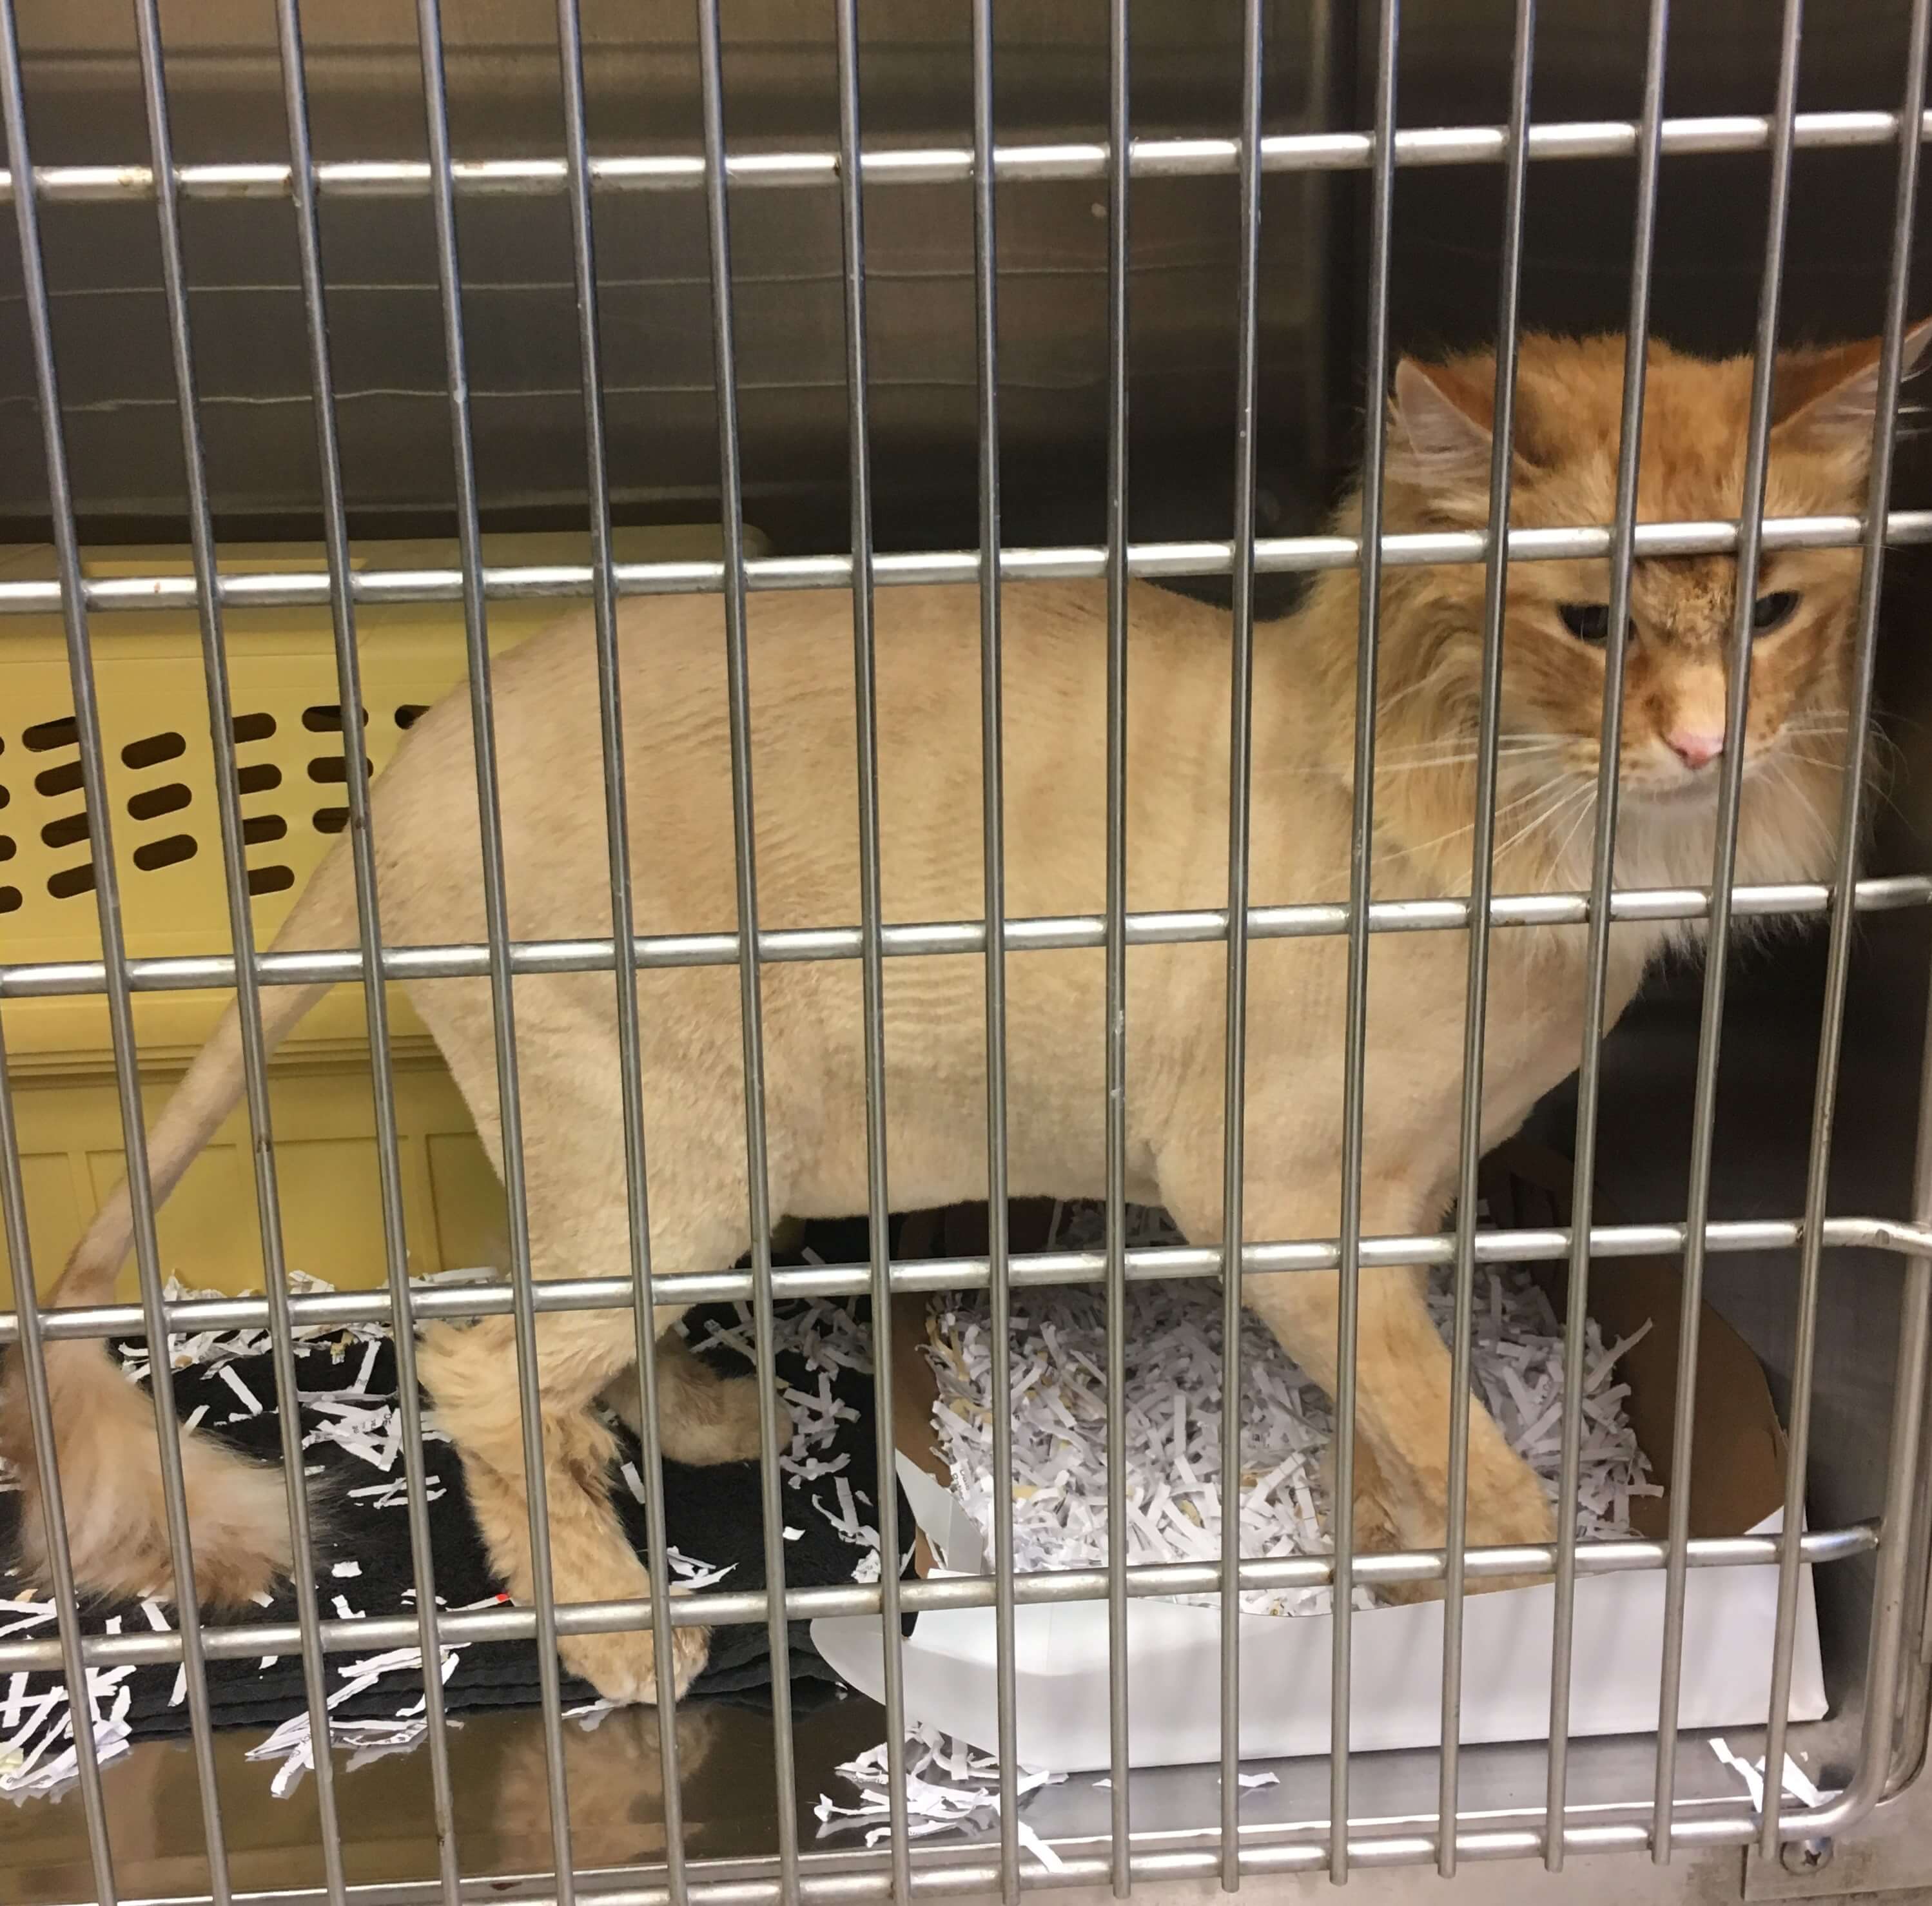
1888 1759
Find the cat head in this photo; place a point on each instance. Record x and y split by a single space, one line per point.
1565 441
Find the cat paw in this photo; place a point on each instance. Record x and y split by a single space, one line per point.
1378 1521
717 1422
1508 1508
623 1667
703 1417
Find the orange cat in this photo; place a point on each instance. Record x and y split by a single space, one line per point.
674 695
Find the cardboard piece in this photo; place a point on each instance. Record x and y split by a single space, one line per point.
1061 1650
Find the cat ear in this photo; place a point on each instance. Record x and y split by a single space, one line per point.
1439 423
1826 400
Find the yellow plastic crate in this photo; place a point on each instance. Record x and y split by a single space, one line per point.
153 713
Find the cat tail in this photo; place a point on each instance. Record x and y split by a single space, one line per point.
104 1430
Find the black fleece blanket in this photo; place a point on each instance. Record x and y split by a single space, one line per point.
352 1449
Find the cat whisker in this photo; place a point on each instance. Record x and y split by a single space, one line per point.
1579 797
1821 832
1468 828
1586 812
1467 747
1880 749
1546 815
1875 788
1505 761
1883 737
1512 750
1508 758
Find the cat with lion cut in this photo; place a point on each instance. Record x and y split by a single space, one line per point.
425 830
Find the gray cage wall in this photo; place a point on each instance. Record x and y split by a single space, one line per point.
1415 1816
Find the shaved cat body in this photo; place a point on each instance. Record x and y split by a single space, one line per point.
803 742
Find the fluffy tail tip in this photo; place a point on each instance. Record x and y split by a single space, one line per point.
116 1509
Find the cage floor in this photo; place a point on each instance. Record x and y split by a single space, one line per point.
615 1789
502 1828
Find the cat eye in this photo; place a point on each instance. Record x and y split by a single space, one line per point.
1773 611
1589 622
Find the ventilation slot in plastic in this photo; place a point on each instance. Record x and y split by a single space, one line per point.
44 736
65 831
326 718
152 802
152 750
170 851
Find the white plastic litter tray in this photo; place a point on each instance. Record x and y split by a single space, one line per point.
1174 1671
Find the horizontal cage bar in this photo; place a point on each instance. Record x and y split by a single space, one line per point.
1145 1580
1145 1262
178 973
1073 562
936 164
842 1885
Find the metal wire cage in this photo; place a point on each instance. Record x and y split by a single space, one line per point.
1890 1734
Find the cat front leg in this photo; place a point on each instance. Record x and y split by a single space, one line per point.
1402 1392
1402 1372
471 1375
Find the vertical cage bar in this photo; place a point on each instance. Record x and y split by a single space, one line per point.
1240 792
1910 1750
1710 1032
1899 1585
985 255
242 933
1896 1586
1361 844
1838 971
1602 873
1911 1746
623 922
1482 885
496 916
1910 1742
355 758
871 955
114 959
1119 1663
39 1405
1316 212
751 1000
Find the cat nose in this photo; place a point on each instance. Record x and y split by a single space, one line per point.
1695 748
